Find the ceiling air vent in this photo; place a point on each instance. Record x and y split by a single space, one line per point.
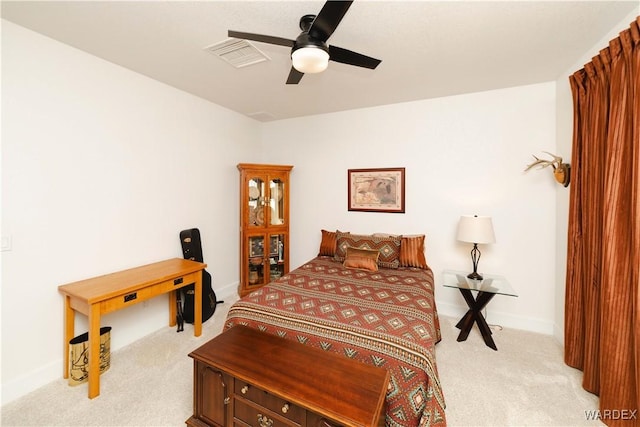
238 53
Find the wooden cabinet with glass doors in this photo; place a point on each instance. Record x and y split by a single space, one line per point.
264 225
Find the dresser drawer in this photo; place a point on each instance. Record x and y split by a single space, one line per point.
247 413
262 398
315 420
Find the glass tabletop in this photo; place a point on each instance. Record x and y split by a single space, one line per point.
490 283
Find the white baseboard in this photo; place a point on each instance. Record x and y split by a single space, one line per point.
33 380
504 319
558 334
228 292
18 387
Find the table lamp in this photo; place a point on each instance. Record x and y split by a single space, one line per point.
477 230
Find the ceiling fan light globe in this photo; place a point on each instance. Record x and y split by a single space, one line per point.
310 60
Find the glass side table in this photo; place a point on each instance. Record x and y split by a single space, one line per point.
486 289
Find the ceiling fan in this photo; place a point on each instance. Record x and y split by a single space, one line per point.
309 51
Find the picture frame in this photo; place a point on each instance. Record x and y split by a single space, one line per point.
256 246
273 245
376 190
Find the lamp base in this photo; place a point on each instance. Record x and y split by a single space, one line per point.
474 276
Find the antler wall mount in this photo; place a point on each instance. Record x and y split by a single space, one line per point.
561 171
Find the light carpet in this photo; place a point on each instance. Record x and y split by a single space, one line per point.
150 383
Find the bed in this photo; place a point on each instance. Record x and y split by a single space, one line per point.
382 314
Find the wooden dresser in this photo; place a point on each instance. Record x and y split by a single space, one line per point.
245 377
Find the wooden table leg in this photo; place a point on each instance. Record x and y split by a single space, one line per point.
172 308
94 351
474 315
197 309
69 324
485 330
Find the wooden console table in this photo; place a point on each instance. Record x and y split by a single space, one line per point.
105 294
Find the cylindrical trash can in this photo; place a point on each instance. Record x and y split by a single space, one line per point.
79 356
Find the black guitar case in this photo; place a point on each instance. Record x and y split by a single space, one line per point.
192 249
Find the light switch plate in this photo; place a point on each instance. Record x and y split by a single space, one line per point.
5 243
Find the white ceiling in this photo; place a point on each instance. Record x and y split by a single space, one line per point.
428 48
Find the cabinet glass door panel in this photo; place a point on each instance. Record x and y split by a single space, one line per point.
276 201
256 193
256 267
276 256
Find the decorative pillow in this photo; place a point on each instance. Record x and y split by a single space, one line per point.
412 251
389 247
363 259
328 242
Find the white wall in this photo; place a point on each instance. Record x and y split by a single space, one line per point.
101 169
564 138
463 155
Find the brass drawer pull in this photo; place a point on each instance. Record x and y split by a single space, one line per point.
285 408
244 389
263 421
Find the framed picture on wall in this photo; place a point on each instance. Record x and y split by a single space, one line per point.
376 190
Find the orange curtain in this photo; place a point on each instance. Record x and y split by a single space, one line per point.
602 306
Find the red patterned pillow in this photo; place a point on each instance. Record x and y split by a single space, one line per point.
363 259
389 247
412 252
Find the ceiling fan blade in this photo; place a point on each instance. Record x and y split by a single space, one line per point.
294 77
328 19
346 56
261 38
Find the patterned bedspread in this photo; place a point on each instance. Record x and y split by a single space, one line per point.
386 318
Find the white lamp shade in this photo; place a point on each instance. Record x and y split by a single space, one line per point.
476 229
310 59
